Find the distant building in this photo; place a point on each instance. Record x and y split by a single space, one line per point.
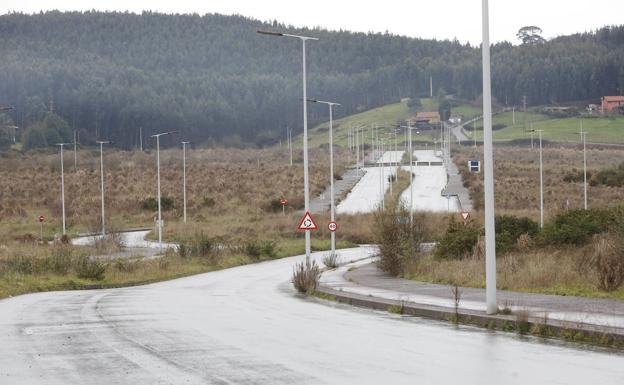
427 117
612 104
455 119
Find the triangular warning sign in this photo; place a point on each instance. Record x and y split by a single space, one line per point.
307 223
465 215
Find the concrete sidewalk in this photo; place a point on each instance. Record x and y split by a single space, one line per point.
363 280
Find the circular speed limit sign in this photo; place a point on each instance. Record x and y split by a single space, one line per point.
41 218
332 226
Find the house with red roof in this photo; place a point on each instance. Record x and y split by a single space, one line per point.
612 104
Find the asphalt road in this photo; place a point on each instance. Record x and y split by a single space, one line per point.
246 326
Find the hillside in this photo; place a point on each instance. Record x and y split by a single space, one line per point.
215 80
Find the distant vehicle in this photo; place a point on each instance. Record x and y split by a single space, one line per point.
455 120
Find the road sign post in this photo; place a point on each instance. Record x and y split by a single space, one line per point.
465 216
332 226
283 202
41 218
307 223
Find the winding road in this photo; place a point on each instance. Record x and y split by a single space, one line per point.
246 325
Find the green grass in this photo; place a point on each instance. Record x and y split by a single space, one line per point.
385 115
600 130
467 111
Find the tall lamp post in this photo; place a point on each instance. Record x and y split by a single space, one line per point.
159 223
63 186
184 175
101 143
331 167
584 138
488 163
306 185
541 178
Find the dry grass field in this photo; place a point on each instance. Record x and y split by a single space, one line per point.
516 177
533 266
232 195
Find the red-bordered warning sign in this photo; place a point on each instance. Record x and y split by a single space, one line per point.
283 201
465 215
41 218
307 223
332 226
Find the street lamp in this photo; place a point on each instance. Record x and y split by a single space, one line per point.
331 167
63 186
584 137
184 175
101 143
306 186
159 223
488 166
411 155
541 178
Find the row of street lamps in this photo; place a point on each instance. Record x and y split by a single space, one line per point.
102 143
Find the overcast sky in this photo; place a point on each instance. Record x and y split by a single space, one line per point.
440 19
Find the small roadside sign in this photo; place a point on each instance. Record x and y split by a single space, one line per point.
332 226
41 218
465 215
283 201
307 223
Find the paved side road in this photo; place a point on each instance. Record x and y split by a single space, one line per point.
246 325
363 277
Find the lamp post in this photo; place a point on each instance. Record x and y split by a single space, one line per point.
184 175
306 186
584 137
541 179
159 223
63 186
331 166
488 160
101 143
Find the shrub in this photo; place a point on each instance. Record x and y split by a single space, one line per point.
151 204
89 268
510 228
208 202
576 227
306 276
612 177
396 238
458 241
256 249
331 260
274 205
60 261
19 264
608 258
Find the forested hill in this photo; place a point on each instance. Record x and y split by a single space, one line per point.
215 79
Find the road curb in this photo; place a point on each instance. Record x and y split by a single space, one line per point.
572 331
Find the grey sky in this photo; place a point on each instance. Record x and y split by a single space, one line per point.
441 19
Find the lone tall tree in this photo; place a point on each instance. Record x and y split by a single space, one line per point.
530 35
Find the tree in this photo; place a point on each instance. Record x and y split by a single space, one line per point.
445 109
530 35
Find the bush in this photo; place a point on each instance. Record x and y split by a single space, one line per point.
151 204
612 177
510 228
576 227
396 238
60 261
274 205
256 249
89 268
306 276
458 242
607 254
331 260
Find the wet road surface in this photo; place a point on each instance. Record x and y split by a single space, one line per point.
246 326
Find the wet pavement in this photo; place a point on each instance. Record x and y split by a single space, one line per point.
246 325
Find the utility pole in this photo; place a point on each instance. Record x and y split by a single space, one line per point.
488 159
141 137
184 175
541 179
101 143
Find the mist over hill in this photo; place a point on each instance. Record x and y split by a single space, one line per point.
215 79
